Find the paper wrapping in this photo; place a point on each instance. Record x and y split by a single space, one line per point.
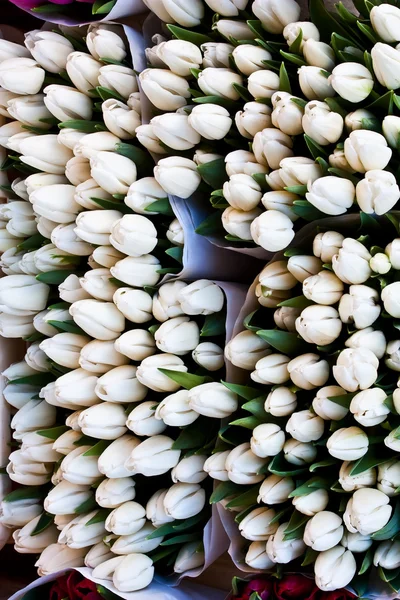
347 225
155 591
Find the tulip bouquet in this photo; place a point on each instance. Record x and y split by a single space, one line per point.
280 118
310 464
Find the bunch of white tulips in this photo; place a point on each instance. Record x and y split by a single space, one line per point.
283 129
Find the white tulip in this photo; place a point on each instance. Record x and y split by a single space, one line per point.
134 572
299 453
242 162
178 176
105 421
155 510
389 298
355 542
385 62
356 369
83 393
308 31
308 371
101 320
154 456
257 557
95 226
239 30
189 470
184 500
369 338
319 325
280 402
246 349
24 471
135 305
77 170
348 443
97 283
113 172
321 124
298 170
105 570
368 407
17 395
66 497
275 15
67 103
79 467
100 356
21 75
92 143
18 513
35 414
380 263
208 355
271 146
216 54
392 355
210 121
263 84
146 136
253 118
283 551
136 344
179 56
378 192
126 519
219 82
319 54
111 462
65 443
242 192
98 554
29 110
133 235
120 119
57 557
189 557
334 568
142 193
351 263
177 336
137 272
275 489
328 409
80 533
105 41
142 421
43 152
267 439
314 84
12 50
213 400
352 81
286 115
38 448
360 150
305 426
367 511
174 410
249 59
313 503
243 466
215 466
323 531
387 555
166 302
84 71
137 542
303 266
272 369
106 256
331 195
202 297
15 326
272 230
165 90
71 291
121 386
389 477
360 306
25 543
257 526
384 19
72 421
175 131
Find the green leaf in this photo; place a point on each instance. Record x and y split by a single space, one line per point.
279 466
162 206
343 400
296 526
142 159
329 462
244 391
243 92
107 94
100 516
256 408
106 593
309 557
98 448
102 7
189 36
247 422
214 325
345 14
284 81
392 528
54 277
186 380
25 493
53 433
224 490
256 27
315 149
300 190
176 252
293 58
86 506
368 32
41 379
44 522
324 21
59 305
211 225
367 561
248 498
32 243
315 483
229 104
295 48
368 461
284 341
307 211
68 326
182 539
297 302
194 435
80 125
112 205
213 173
385 103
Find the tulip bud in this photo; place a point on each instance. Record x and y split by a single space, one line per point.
17 395
176 131
213 400
135 305
12 50
361 306
111 461
64 102
283 551
228 8
348 443
215 466
142 420
105 570
238 30
319 325
95 226
58 557
120 386
334 568
380 263
113 172
360 150
189 470
393 252
174 410
71 291
25 543
389 477
270 146
302 266
119 119
202 297
275 489
323 531
219 82
253 118
153 456
24 471
35 414
97 555
133 573
285 317
177 336
314 84
66 498
126 519
286 115
352 81
138 272
267 439
18 513
328 409
257 526
65 443
368 338
272 369
211 121
133 235
392 355
257 557
77 170
165 90
387 554
305 426
308 371
331 195
208 355
105 421
37 447
249 58
80 467
242 162
351 264
178 176
308 31
367 511
101 320
299 453
312 503
385 62
378 192
149 373
104 41
368 407
319 54
179 56
142 193
321 124
81 532
246 349
356 369
137 542
72 420
272 230
242 192
263 84
99 357
189 557
243 466
155 510
43 152
84 71
29 110
184 500
13 326
276 15
21 75
389 298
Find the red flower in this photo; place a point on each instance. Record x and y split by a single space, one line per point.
263 587
296 587
74 587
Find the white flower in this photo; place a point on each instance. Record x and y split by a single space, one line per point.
246 349
211 121
348 443
267 439
352 81
319 325
219 82
104 41
257 526
331 195
328 409
283 551
389 297
322 124
275 14
272 230
378 192
384 20
271 146
308 371
299 453
361 152
334 568
263 84
272 369
356 369
323 531
367 511
178 176
351 263
21 75
314 84
386 65
319 54
243 465
312 503
305 426
286 115
360 306
369 338
242 192
281 402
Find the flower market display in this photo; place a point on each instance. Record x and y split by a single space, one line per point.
162 413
